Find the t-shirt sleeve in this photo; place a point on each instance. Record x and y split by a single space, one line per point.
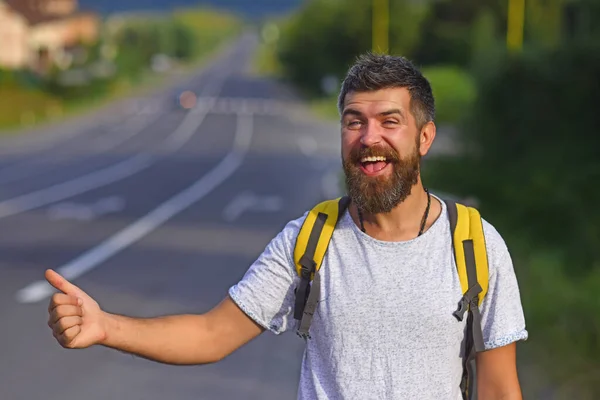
502 317
266 291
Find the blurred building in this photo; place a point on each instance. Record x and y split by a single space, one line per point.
36 34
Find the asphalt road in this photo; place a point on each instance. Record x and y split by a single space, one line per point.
156 210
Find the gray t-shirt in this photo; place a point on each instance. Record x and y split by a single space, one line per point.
383 328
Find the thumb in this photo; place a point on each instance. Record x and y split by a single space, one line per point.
60 283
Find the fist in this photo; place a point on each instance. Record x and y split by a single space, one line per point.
75 319
66 318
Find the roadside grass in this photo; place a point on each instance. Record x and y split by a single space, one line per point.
22 108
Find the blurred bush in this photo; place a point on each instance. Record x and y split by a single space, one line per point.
202 30
454 91
183 36
534 120
21 103
447 38
531 157
133 50
324 37
453 29
139 41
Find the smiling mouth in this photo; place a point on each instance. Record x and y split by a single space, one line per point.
373 165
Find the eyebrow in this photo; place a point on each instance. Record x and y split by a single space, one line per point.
352 111
390 112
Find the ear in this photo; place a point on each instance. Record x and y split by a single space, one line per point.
426 137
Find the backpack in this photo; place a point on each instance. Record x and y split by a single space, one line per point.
470 255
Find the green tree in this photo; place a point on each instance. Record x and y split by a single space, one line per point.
325 37
454 29
544 21
531 157
533 136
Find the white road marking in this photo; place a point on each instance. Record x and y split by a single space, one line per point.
86 212
39 290
182 134
248 201
56 137
149 108
132 128
76 186
258 106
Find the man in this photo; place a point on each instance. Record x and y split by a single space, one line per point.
383 328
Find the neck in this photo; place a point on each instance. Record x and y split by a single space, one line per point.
405 221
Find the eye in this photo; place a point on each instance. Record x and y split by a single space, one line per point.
390 122
353 124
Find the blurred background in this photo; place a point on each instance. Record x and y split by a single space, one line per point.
151 149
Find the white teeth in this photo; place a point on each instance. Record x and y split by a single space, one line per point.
373 159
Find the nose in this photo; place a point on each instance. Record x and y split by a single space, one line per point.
370 135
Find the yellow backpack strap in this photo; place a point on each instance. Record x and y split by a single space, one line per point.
472 266
311 245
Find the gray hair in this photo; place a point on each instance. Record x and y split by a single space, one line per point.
378 71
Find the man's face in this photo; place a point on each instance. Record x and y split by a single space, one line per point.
380 148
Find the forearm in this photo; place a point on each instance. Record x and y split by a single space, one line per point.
177 339
494 393
497 377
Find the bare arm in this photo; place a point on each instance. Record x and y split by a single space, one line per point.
183 339
77 321
497 377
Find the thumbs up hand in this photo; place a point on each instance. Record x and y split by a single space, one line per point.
75 318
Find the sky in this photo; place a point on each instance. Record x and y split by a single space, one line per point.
247 7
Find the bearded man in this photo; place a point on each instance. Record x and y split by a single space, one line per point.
383 327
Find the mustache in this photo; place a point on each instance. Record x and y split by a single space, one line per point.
379 151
